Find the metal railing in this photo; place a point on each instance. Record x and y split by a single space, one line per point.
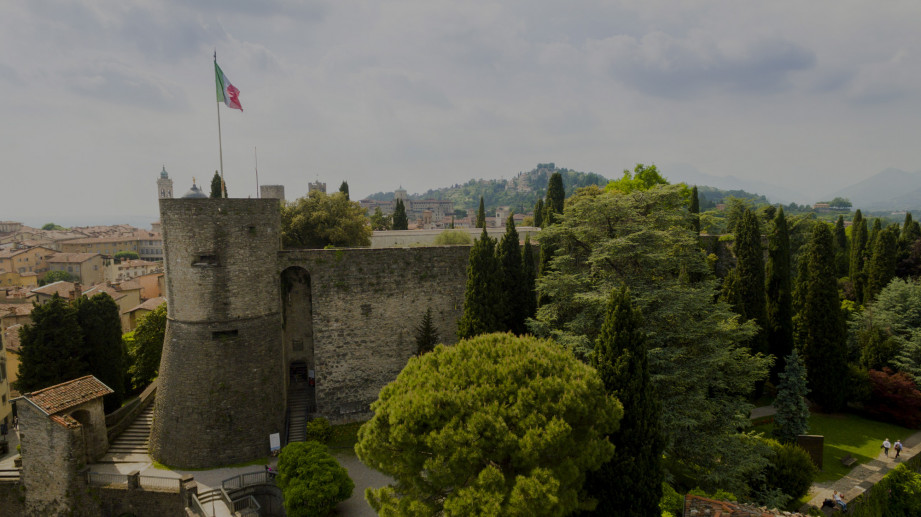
259 477
106 479
159 483
247 503
197 507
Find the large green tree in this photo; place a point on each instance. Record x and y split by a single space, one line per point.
145 346
888 331
56 276
556 197
539 213
842 251
481 215
750 265
312 481
529 272
344 188
400 220
104 351
319 220
644 177
821 325
51 348
481 298
630 483
698 355
378 221
695 210
495 425
779 294
881 268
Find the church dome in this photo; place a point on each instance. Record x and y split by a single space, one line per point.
163 173
194 193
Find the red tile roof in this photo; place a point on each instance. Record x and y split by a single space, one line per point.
696 506
66 395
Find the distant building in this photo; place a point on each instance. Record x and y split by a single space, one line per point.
128 269
88 268
131 316
148 245
164 185
26 260
424 213
316 186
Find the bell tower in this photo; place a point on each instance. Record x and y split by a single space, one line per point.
164 185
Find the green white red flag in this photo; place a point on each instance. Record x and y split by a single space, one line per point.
226 92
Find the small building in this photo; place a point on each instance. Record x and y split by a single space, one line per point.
26 260
131 316
88 268
9 338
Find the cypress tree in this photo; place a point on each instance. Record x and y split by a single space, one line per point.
881 268
51 349
865 295
344 188
779 295
556 197
911 232
513 307
104 351
481 215
695 210
731 291
858 248
426 334
750 257
630 483
529 272
216 186
841 249
792 416
400 221
539 213
824 345
481 296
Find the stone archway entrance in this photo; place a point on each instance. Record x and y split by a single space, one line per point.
86 428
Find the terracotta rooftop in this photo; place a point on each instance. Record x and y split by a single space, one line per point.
71 258
148 305
103 288
11 338
62 288
15 309
66 395
697 506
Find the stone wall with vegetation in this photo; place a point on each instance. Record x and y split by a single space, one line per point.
366 304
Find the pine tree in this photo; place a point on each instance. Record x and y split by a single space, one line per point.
426 334
104 351
695 210
824 346
911 232
344 188
481 215
51 349
731 291
218 188
881 268
630 483
481 296
400 221
792 418
750 256
513 306
779 295
529 272
858 248
841 248
539 213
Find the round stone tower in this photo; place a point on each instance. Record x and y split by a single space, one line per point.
221 382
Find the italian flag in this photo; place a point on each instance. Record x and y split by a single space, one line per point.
226 92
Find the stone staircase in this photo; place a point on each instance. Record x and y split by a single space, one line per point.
299 407
131 445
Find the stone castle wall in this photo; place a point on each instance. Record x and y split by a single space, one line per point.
366 304
221 391
51 456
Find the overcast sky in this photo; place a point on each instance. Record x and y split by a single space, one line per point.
97 96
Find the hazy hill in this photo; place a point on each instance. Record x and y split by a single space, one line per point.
891 189
520 193
677 173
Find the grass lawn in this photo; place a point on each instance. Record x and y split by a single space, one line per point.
847 434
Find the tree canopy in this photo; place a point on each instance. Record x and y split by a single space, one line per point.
320 220
698 355
145 346
399 218
102 344
51 347
56 276
312 481
218 187
643 178
494 425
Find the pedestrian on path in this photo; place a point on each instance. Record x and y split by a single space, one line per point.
886 446
897 447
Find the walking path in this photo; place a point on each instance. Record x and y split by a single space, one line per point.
865 475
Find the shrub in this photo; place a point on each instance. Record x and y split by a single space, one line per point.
791 469
894 398
903 492
312 481
449 237
672 503
319 430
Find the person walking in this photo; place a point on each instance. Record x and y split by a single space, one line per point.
897 447
886 446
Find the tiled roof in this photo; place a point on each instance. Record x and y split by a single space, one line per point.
71 258
63 288
11 338
15 309
148 305
103 288
68 394
697 506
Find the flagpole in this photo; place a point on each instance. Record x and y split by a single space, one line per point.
220 145
256 158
